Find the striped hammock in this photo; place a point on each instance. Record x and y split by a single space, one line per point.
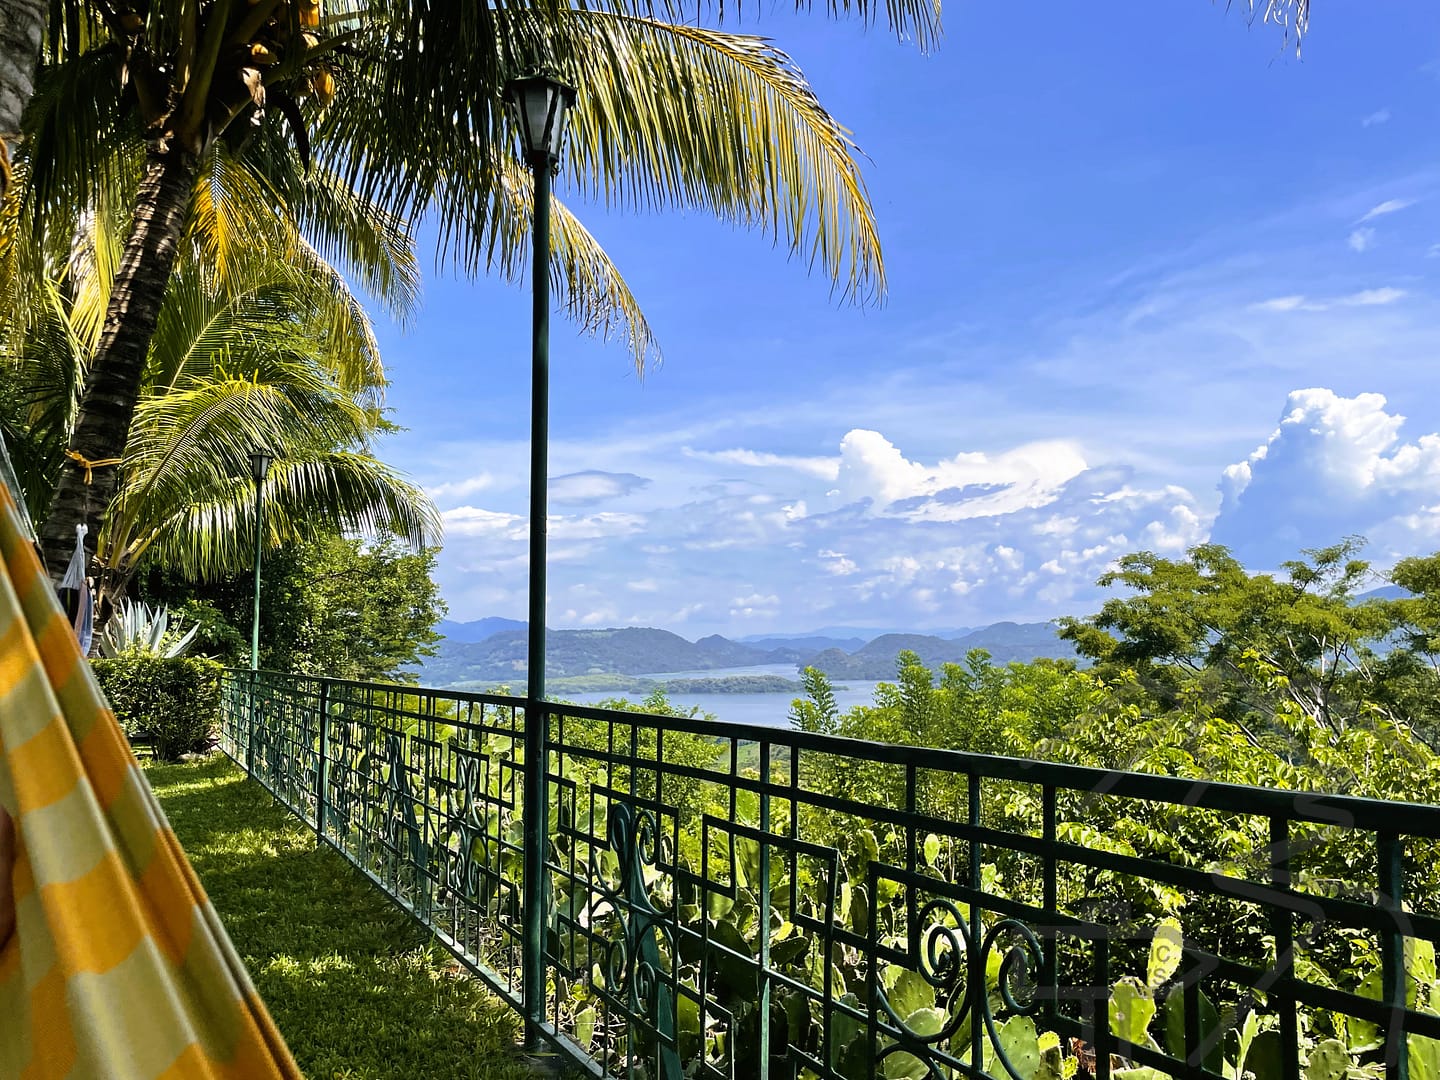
118 966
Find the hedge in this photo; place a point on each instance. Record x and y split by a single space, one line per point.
175 699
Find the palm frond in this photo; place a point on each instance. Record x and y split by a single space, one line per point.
271 304
1292 16
686 115
347 337
211 535
356 236
586 282
681 116
203 434
232 213
79 141
94 261
186 475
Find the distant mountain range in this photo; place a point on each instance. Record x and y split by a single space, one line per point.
1004 641
861 634
478 630
493 650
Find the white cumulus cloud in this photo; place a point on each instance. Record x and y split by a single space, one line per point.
1334 466
969 485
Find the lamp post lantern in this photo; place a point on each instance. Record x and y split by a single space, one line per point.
538 105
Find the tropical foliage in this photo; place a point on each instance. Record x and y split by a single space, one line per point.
1257 649
259 343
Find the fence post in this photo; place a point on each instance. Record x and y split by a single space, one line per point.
322 768
250 728
534 917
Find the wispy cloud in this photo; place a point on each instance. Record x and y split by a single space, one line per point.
1379 116
459 489
595 526
477 521
826 468
1373 297
1389 206
1362 239
1363 298
592 486
1280 303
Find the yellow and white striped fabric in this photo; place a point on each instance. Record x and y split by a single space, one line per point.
118 967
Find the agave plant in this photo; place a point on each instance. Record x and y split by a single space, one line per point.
137 629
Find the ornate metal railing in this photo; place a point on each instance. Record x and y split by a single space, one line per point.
735 901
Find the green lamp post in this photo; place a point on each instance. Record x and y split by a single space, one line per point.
260 462
538 105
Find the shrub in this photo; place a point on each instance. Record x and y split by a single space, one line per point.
176 699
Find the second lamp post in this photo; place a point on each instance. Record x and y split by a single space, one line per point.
260 462
538 104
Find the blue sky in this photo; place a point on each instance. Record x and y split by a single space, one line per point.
1153 280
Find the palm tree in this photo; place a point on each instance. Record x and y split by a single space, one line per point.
203 71
260 344
256 194
177 75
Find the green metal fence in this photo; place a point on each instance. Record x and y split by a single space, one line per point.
736 901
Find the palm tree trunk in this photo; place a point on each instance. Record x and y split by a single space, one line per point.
22 27
112 390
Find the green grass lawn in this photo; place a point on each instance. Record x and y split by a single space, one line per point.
351 981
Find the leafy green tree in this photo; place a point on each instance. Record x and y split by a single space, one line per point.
1248 641
1407 674
360 610
334 606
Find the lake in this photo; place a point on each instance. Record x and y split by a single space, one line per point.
770 710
